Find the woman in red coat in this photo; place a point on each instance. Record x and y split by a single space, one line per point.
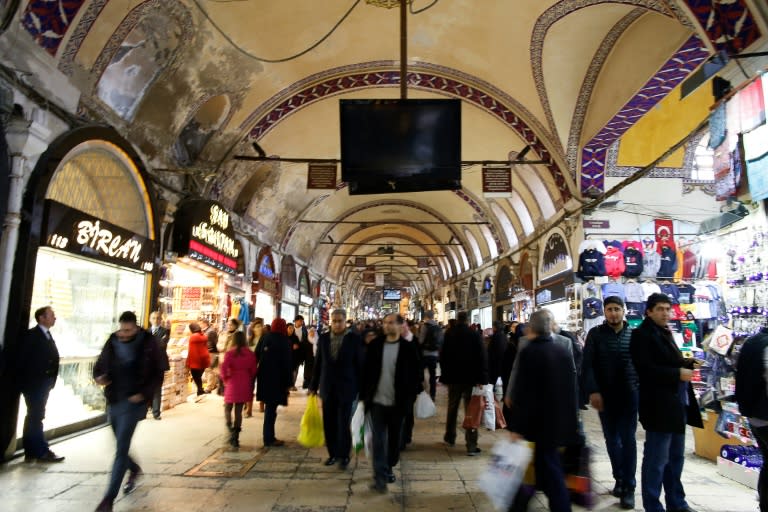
198 358
238 371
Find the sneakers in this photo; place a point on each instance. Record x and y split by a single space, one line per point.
448 441
618 490
627 500
474 452
130 485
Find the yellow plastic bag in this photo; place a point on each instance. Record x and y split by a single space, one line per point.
311 433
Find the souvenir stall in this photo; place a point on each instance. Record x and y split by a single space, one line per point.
197 282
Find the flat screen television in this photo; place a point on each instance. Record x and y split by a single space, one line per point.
391 294
393 145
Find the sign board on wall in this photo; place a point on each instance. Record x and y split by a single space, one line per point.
555 258
596 223
82 234
497 181
204 232
321 176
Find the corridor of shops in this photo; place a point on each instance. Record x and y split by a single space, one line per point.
184 455
211 166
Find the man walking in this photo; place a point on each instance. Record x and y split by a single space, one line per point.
130 367
161 335
430 341
336 376
666 404
307 352
463 365
38 367
544 407
752 396
611 384
391 379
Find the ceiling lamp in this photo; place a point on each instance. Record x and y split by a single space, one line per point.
383 3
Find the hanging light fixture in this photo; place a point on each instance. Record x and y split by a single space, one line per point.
389 4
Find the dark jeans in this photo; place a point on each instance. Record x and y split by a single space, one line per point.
761 435
238 415
457 392
550 477
336 419
386 424
123 416
406 435
156 401
619 420
430 363
197 376
36 399
270 417
663 457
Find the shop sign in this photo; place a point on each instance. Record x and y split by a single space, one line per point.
553 290
82 234
497 181
596 223
204 229
306 300
290 295
555 257
484 299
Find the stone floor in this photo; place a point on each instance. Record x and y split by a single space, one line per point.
190 440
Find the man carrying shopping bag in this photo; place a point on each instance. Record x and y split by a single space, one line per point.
464 365
543 407
336 375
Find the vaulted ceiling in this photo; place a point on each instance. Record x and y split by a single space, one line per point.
222 74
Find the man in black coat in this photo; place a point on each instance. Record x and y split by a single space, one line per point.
392 377
752 396
464 364
667 403
544 408
610 380
162 335
336 376
275 376
131 368
38 368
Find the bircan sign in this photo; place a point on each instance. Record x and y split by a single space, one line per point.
80 233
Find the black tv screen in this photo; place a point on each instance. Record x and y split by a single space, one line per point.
391 294
400 145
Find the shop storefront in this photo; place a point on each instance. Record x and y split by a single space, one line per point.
484 300
502 293
264 286
472 304
289 293
87 249
305 296
201 279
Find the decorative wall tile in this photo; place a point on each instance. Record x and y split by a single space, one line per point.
48 21
729 24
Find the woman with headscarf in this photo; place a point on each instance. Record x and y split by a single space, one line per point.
297 356
237 371
274 379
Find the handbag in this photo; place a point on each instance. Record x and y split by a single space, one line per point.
473 416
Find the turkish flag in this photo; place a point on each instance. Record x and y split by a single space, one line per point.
664 233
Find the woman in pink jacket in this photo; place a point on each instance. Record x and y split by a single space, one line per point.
238 371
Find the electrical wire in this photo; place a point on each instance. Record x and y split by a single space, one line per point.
250 55
410 7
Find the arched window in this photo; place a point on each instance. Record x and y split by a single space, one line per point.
506 225
474 246
703 168
196 133
522 212
494 251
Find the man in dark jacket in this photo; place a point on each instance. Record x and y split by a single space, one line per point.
392 377
667 403
544 408
611 383
162 335
275 376
38 367
497 347
130 367
463 364
336 376
752 396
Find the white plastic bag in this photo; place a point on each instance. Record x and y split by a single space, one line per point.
502 478
489 414
357 427
498 390
425 407
368 437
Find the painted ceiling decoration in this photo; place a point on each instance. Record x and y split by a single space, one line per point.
540 74
674 71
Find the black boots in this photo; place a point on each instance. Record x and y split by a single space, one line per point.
627 499
234 437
